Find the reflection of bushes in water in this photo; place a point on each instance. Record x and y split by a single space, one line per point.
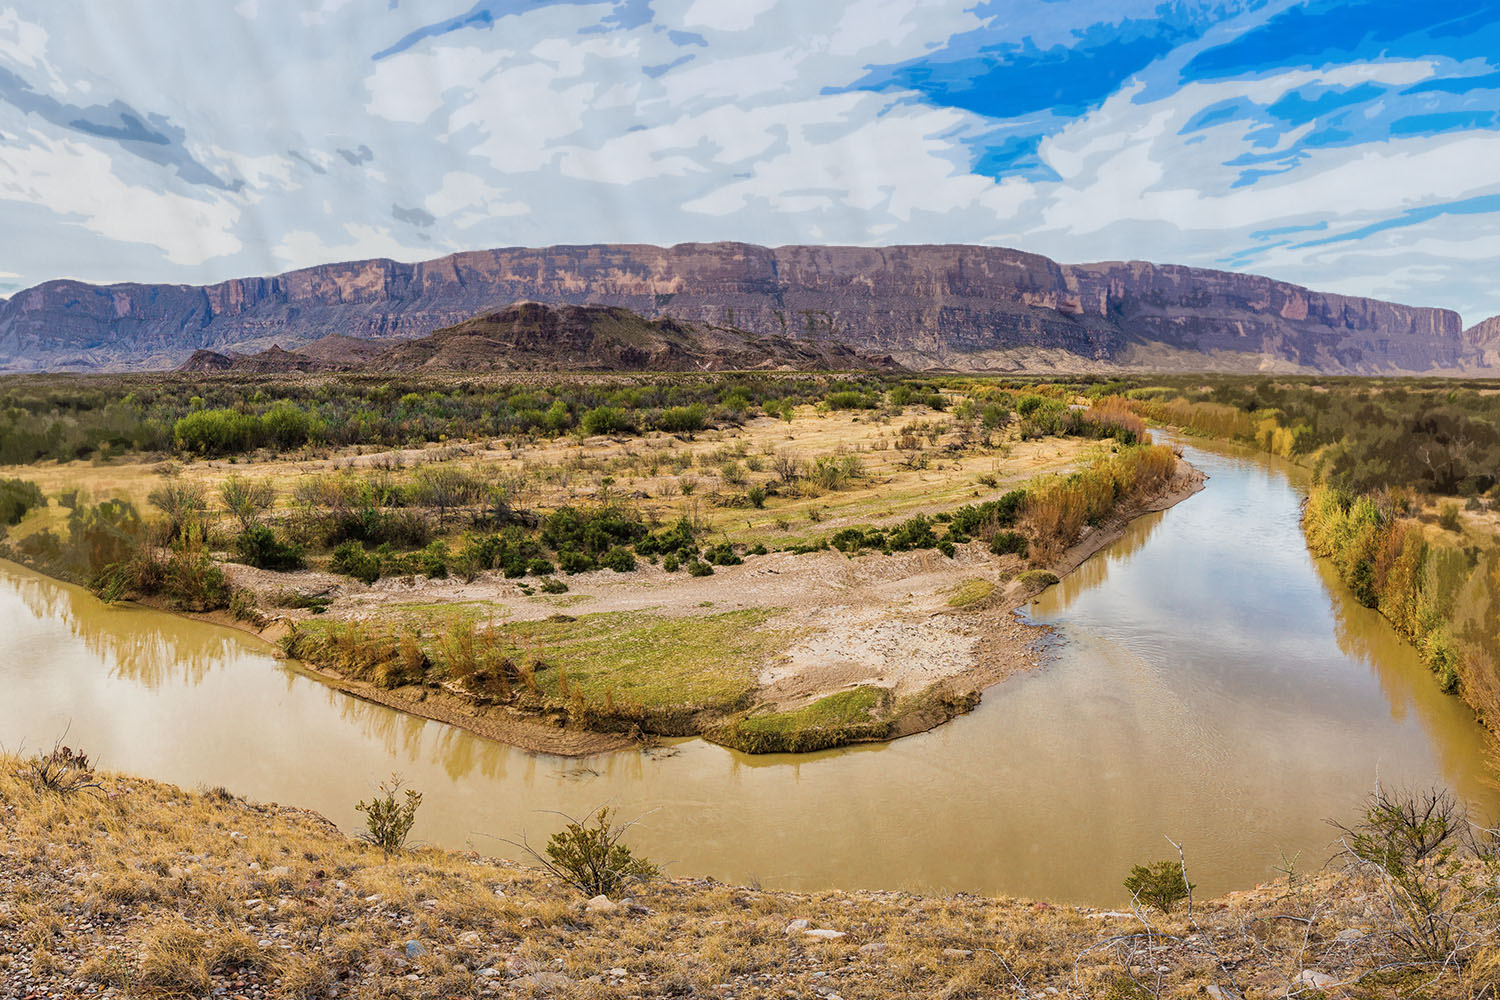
146 647
1441 597
17 497
108 549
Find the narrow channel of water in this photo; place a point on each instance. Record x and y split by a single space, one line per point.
1209 681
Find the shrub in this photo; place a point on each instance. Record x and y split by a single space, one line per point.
434 561
62 770
1448 516
619 559
388 822
1005 542
246 501
850 400
538 566
1162 884
552 585
1422 848
607 420
351 559
722 554
699 568
570 561
683 419
915 533
191 579
216 432
670 563
257 546
591 858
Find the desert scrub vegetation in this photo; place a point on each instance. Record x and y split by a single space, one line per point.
388 820
108 416
192 883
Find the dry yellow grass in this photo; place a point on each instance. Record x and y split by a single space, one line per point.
158 892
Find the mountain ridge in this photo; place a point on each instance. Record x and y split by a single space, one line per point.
932 306
533 336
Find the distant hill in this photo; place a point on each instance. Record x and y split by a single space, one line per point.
531 336
965 308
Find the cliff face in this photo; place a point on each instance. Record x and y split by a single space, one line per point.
1482 343
962 307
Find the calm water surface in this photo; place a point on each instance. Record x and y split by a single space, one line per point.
1209 681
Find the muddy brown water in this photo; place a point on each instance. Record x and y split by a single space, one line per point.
1208 681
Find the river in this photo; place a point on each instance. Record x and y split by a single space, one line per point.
1208 681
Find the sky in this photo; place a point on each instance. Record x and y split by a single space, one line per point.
1351 147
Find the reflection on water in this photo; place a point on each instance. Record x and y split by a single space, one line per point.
1212 683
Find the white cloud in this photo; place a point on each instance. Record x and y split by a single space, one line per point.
78 182
311 18
23 43
303 248
725 15
468 199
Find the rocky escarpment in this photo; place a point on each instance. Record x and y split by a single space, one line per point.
1482 343
961 307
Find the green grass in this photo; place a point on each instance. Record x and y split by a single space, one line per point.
656 662
834 720
970 593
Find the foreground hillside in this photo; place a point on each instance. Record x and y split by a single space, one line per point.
138 889
965 308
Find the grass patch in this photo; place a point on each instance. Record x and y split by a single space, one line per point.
623 659
1036 580
970 593
845 717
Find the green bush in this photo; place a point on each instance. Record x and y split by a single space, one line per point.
683 419
699 568
1005 542
607 420
571 561
351 559
915 533
670 563
387 822
435 561
258 546
591 858
722 554
620 559
1161 884
552 585
216 432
